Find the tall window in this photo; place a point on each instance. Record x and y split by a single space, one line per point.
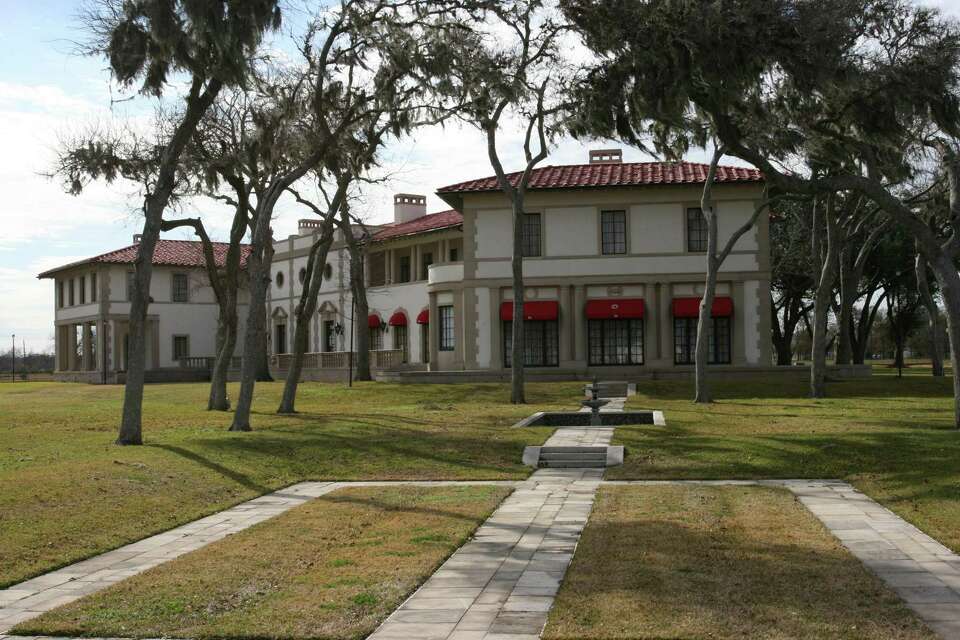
454 254
541 344
329 336
181 347
400 340
70 289
685 341
60 293
425 261
615 341
404 269
530 235
447 334
613 231
180 288
376 339
696 230
82 288
93 287
130 285
280 345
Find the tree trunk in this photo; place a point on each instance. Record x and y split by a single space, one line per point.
218 400
848 292
263 344
518 393
361 307
933 317
704 321
155 204
130 423
821 307
304 314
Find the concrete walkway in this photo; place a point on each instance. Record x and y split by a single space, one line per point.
33 597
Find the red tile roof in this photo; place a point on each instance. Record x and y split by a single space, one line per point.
171 253
627 174
429 222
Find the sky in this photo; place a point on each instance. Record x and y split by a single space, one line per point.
48 92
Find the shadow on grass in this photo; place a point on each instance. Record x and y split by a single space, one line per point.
670 580
216 467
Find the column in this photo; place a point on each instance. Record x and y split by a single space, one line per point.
496 329
568 318
87 341
579 324
665 318
432 330
72 363
737 327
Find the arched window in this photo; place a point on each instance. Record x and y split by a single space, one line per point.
303 274
279 279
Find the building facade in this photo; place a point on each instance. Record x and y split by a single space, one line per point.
92 308
614 260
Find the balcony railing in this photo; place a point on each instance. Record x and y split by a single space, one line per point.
445 272
383 359
205 362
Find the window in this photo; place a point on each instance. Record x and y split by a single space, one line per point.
530 235
280 344
425 343
181 347
685 341
615 341
613 232
82 288
541 343
279 282
130 285
70 290
400 340
302 275
60 294
93 287
404 269
696 230
447 333
426 259
180 288
454 254
376 339
329 336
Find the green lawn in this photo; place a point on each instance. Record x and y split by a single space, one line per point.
890 437
722 563
67 493
333 568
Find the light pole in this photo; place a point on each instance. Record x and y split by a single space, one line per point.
13 358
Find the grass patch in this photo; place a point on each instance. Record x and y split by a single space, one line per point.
718 563
891 438
277 579
66 492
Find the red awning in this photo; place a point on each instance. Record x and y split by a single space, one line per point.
373 321
690 307
399 319
532 310
423 317
615 308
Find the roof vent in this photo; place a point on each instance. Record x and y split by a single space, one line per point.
407 207
137 237
606 156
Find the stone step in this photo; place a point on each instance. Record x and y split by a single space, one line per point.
574 456
571 464
592 450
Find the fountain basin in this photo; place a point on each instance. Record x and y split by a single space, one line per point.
582 419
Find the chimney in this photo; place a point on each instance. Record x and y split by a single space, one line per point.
407 207
606 156
137 237
306 226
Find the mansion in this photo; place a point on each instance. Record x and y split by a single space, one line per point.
613 269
